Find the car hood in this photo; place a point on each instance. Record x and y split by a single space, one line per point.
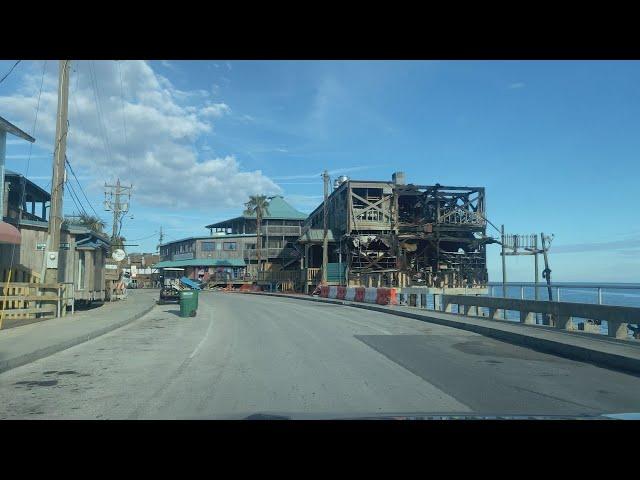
421 416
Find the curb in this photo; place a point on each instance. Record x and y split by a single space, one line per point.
51 349
573 352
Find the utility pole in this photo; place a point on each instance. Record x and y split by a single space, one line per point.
536 252
504 265
325 241
58 177
160 239
546 273
113 202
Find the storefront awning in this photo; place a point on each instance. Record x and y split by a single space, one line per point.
9 234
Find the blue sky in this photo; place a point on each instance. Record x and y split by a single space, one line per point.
555 143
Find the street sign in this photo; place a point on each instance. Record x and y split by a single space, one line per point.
64 246
41 246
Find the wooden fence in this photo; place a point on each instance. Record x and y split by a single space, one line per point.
28 301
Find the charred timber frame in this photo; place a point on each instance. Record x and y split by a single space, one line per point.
429 235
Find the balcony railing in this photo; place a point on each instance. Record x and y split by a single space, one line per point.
286 230
252 254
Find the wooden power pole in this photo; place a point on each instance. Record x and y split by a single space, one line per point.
325 240
58 177
113 202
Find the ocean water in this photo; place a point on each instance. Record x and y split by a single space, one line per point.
621 294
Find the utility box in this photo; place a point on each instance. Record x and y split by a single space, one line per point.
52 259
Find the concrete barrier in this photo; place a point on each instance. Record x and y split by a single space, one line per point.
350 294
381 296
370 294
562 313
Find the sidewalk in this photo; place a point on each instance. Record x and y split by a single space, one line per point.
27 343
599 350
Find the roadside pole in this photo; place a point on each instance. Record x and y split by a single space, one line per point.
58 177
325 241
504 266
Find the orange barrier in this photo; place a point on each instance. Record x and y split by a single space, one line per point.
359 294
387 296
324 291
342 292
393 296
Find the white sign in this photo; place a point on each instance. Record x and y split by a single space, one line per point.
111 266
134 271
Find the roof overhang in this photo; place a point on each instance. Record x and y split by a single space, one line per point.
202 262
9 234
12 129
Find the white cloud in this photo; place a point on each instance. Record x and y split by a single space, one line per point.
215 110
338 171
305 203
158 156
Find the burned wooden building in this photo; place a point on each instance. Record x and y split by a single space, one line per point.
389 233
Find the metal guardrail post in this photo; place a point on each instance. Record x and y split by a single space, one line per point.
557 294
599 295
521 292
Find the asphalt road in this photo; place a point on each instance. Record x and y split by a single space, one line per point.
243 355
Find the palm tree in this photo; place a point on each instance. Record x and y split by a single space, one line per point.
92 222
257 205
118 242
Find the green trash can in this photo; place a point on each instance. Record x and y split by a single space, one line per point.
188 303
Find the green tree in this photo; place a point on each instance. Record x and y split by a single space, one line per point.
92 222
118 242
257 205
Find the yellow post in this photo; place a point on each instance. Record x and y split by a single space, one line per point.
4 300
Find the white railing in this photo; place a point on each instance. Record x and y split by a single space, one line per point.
594 291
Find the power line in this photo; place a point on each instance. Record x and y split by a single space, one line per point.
124 120
9 72
143 238
101 125
81 189
74 197
26 174
74 95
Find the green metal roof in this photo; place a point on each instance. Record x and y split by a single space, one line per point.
279 209
202 262
316 235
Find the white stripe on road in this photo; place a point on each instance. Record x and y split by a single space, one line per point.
204 339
